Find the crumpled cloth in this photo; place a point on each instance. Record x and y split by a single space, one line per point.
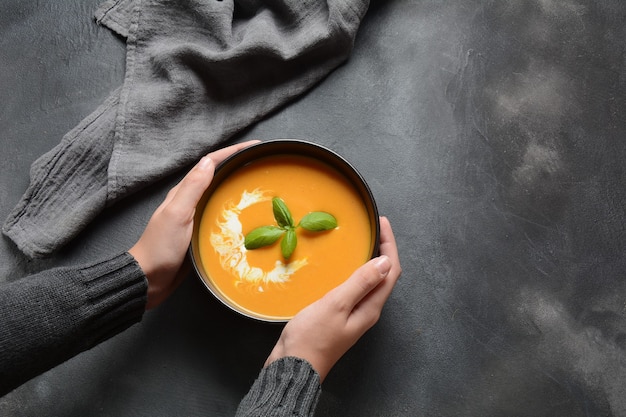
197 72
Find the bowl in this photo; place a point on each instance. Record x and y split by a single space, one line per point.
282 223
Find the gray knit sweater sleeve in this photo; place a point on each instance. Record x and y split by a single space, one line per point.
51 316
287 387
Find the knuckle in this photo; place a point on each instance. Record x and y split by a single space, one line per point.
369 277
340 305
175 211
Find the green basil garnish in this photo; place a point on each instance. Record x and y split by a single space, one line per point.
316 221
262 236
288 244
281 213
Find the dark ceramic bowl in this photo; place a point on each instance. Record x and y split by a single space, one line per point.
272 148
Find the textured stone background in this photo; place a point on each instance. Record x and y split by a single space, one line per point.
492 135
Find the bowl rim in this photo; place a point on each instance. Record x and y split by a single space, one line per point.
226 167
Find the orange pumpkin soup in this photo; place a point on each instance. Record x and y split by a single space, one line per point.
261 281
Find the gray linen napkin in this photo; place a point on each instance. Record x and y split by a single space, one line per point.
197 72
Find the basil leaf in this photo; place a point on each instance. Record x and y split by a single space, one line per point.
318 221
281 213
262 236
288 244
266 235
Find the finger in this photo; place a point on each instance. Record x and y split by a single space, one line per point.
389 248
374 301
362 281
369 308
219 155
388 244
191 188
186 194
170 195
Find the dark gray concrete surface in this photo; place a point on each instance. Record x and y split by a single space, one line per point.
492 135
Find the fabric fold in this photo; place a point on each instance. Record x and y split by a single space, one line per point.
115 14
68 185
197 73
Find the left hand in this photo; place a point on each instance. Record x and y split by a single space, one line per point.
161 249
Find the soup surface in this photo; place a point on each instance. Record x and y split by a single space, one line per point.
260 281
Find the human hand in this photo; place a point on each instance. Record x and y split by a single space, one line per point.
161 249
322 332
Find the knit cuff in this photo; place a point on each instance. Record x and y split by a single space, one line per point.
55 314
287 387
114 296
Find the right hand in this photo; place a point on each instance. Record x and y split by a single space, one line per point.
322 332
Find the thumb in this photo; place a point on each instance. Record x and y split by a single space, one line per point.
191 188
364 280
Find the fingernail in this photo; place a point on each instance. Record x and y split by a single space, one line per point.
383 264
205 163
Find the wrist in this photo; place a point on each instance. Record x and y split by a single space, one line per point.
148 270
321 367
